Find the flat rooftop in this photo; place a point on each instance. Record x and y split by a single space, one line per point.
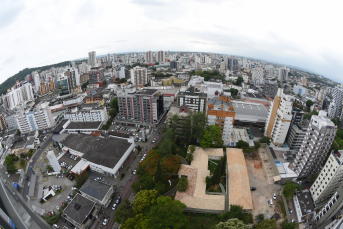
95 189
305 202
257 96
60 125
251 109
83 125
79 209
102 151
147 92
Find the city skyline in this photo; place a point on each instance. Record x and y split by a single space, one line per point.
65 31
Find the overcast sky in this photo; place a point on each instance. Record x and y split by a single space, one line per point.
305 33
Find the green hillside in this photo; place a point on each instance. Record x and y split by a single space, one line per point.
21 75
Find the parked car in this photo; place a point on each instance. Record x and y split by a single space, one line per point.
118 200
270 202
114 206
55 226
134 171
105 222
73 188
252 188
290 211
274 196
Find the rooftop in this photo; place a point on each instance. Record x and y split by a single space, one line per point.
83 125
239 186
305 202
95 189
79 209
257 96
102 151
147 92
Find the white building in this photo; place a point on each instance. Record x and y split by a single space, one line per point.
21 93
300 90
329 178
316 145
161 56
279 118
122 73
337 94
36 79
149 57
92 58
257 76
87 114
139 75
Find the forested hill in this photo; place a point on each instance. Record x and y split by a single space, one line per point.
21 75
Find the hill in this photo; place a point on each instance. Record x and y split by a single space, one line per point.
21 75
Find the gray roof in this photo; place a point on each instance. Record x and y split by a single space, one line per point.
216 101
251 109
95 189
60 125
102 151
79 208
305 202
59 137
146 92
83 125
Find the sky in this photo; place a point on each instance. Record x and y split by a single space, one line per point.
305 33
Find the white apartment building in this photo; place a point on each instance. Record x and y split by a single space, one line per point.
316 145
122 73
329 178
160 56
149 57
279 118
139 75
87 114
17 95
337 94
92 58
36 80
257 76
38 119
300 90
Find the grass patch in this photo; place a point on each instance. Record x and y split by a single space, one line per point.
198 220
212 165
282 207
17 165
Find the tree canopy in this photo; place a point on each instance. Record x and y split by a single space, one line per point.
265 140
232 224
212 137
144 199
122 80
239 81
267 224
309 103
183 184
242 144
289 189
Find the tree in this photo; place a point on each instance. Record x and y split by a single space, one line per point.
157 63
192 148
236 211
309 103
144 199
139 221
233 91
212 136
9 160
189 157
22 155
114 104
158 174
223 164
49 168
217 175
267 224
167 213
259 218
18 133
122 80
232 224
81 178
183 184
22 163
299 95
242 144
257 145
290 188
265 140
286 225
239 81
124 212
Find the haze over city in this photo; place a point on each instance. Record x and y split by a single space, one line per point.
302 34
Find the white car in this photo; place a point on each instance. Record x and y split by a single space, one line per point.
73 188
55 226
105 222
58 208
114 206
274 196
134 171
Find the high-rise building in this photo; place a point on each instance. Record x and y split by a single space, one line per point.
20 93
3 123
193 98
329 178
149 57
304 81
300 90
139 75
36 80
257 76
279 118
316 145
222 67
161 56
232 64
11 122
64 85
337 94
296 135
96 76
143 107
92 58
173 65
269 88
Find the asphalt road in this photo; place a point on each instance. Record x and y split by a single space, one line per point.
34 160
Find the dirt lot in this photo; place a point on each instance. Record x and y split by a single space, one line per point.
264 190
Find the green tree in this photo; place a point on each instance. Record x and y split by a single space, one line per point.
183 184
9 160
257 145
259 218
22 155
49 168
242 144
159 187
22 163
236 211
137 222
124 212
156 63
239 81
289 189
167 213
81 178
233 91
217 175
286 225
158 174
189 157
144 199
212 136
309 103
18 133
223 164
232 224
267 224
192 148
122 80
265 140
114 104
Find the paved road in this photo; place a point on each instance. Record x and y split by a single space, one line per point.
34 160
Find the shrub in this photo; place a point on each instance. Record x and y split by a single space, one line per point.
183 184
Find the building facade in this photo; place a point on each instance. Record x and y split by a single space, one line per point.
337 94
96 76
3 123
299 90
296 135
193 98
18 95
257 76
139 75
88 114
92 58
316 145
161 56
149 57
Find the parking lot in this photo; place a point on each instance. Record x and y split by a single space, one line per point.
69 161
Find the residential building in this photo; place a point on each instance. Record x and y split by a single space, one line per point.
193 98
160 57
316 145
337 94
139 75
232 64
144 107
74 77
11 122
220 112
300 90
303 81
304 206
223 67
282 74
297 117
173 65
296 136
269 88
36 80
329 178
3 123
64 86
96 76
98 192
38 119
92 58
88 113
149 57
19 93
279 118
96 97
257 76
